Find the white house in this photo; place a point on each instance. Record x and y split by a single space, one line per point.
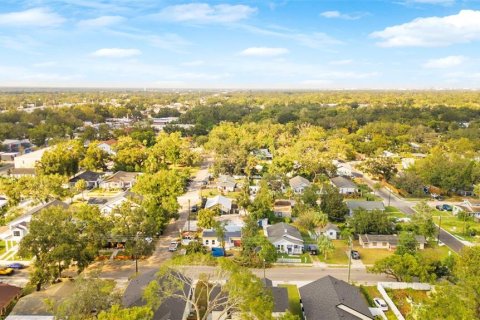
232 239
354 205
226 183
18 227
330 230
120 180
470 206
107 146
343 169
299 184
224 204
383 241
26 163
112 203
344 185
286 238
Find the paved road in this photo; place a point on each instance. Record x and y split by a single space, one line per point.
406 206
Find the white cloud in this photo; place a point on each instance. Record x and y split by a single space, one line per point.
341 62
116 53
45 64
338 15
206 13
194 63
167 41
463 27
36 17
446 62
103 21
264 52
440 2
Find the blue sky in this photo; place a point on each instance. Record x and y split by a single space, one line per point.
296 44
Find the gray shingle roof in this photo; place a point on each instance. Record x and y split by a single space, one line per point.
329 226
392 239
280 299
299 182
321 298
88 176
342 182
366 205
171 308
284 230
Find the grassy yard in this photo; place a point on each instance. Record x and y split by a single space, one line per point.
339 255
306 258
102 193
436 252
293 299
457 226
2 247
394 212
370 256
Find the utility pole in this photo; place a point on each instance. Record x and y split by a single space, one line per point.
439 228
349 257
264 272
136 254
189 213
389 195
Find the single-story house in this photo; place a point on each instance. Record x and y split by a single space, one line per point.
106 207
92 179
224 204
354 205
286 238
329 298
29 160
21 172
344 185
34 306
386 241
8 294
263 154
232 239
226 183
120 180
282 208
342 169
470 206
16 145
8 156
171 307
299 184
280 298
330 230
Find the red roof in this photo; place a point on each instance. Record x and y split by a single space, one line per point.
8 293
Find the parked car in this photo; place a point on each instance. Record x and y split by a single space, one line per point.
6 271
444 207
16 265
194 208
355 255
381 304
173 246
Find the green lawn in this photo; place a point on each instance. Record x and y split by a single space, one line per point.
456 226
293 299
306 258
2 247
339 255
436 252
394 212
370 256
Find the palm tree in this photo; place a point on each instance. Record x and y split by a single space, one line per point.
325 245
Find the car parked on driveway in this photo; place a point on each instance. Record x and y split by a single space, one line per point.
381 304
6 271
355 254
173 246
444 207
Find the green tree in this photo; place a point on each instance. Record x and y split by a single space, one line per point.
332 204
407 244
89 297
262 205
134 313
382 167
404 268
309 218
62 159
374 221
95 158
81 186
130 154
194 247
422 221
206 218
325 245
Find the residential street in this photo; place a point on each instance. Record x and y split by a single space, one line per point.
390 198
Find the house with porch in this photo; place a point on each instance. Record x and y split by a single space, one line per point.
286 238
469 206
330 230
344 185
18 228
299 184
223 204
226 183
354 205
120 180
232 238
386 241
93 179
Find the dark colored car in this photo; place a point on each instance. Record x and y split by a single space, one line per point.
194 208
16 265
355 255
444 207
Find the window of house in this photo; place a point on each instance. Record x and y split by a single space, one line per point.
213 241
374 243
384 244
16 233
206 241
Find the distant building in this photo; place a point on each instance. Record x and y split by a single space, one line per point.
286 238
26 163
15 145
120 180
107 146
282 208
354 205
232 239
226 183
330 230
224 204
92 179
8 294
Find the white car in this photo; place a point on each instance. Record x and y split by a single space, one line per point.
173 246
381 304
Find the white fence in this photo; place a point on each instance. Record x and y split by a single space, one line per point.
289 260
397 286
